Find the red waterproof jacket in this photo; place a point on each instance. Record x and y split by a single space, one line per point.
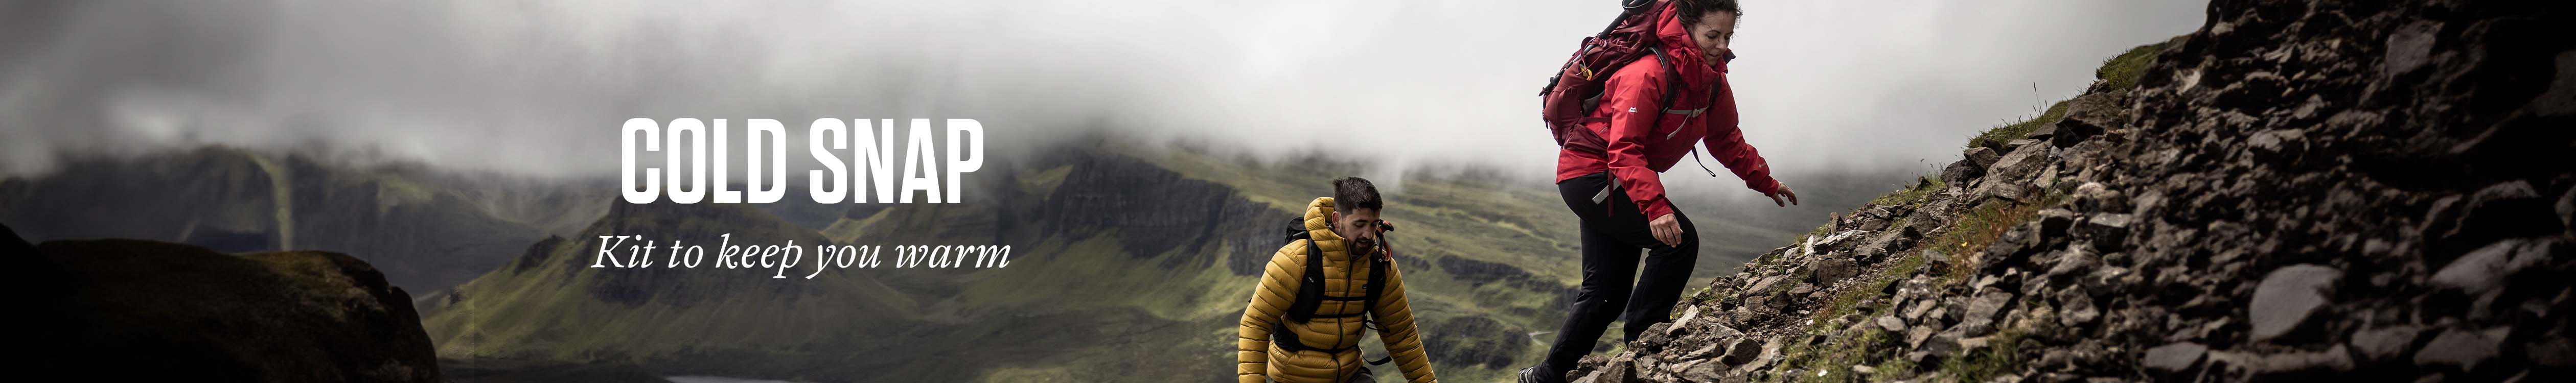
1647 138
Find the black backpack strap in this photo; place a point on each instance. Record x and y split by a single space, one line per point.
1672 80
1310 287
1376 282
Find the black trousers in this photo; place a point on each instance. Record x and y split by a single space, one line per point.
1614 232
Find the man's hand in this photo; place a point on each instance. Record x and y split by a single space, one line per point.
1783 192
1667 230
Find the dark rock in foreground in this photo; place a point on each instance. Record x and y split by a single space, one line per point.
132 310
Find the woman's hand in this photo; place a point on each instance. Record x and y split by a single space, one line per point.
1667 229
1783 192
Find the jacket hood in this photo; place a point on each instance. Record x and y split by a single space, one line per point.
1319 219
1676 40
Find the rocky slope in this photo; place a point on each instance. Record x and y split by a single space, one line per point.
132 310
2298 190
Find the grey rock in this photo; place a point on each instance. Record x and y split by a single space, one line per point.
2078 311
1719 331
1916 312
1655 337
2551 351
2113 280
2288 297
1916 336
1770 354
2107 231
2055 222
1741 351
1944 344
1923 222
2457 225
2463 348
1763 285
2567 209
2279 146
2086 116
1980 319
1618 370
2486 268
2073 263
2332 360
1960 173
2096 197
1890 323
1887 242
2001 190
2174 358
2023 162
2385 344
1688 314
1980 156
1701 372
2409 48
1831 269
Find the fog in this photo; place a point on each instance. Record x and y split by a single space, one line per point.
538 88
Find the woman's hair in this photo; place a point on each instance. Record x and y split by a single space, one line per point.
1692 9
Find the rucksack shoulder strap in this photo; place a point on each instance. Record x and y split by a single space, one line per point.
1376 282
1672 85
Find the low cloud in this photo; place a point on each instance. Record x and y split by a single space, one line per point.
538 87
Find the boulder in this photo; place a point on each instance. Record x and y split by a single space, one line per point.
193 314
2108 231
2328 362
2279 146
1832 269
2018 166
2386 343
1890 323
2486 268
2289 297
2086 116
1980 157
1961 172
2462 348
2173 359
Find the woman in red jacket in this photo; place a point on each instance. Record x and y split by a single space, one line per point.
1617 194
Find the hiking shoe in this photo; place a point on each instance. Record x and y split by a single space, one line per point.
1531 375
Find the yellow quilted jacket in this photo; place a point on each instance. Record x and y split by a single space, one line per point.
1256 357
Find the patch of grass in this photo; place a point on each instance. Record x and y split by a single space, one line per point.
1996 358
1912 195
1836 357
1995 137
1868 290
2122 71
1891 369
1970 233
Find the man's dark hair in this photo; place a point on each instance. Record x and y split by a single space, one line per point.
1692 9
1355 193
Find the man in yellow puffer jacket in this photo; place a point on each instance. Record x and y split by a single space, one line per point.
1347 229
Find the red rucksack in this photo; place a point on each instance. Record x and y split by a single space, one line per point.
1575 90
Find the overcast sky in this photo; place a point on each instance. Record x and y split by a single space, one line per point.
539 87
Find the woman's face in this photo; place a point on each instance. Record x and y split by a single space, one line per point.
1712 33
